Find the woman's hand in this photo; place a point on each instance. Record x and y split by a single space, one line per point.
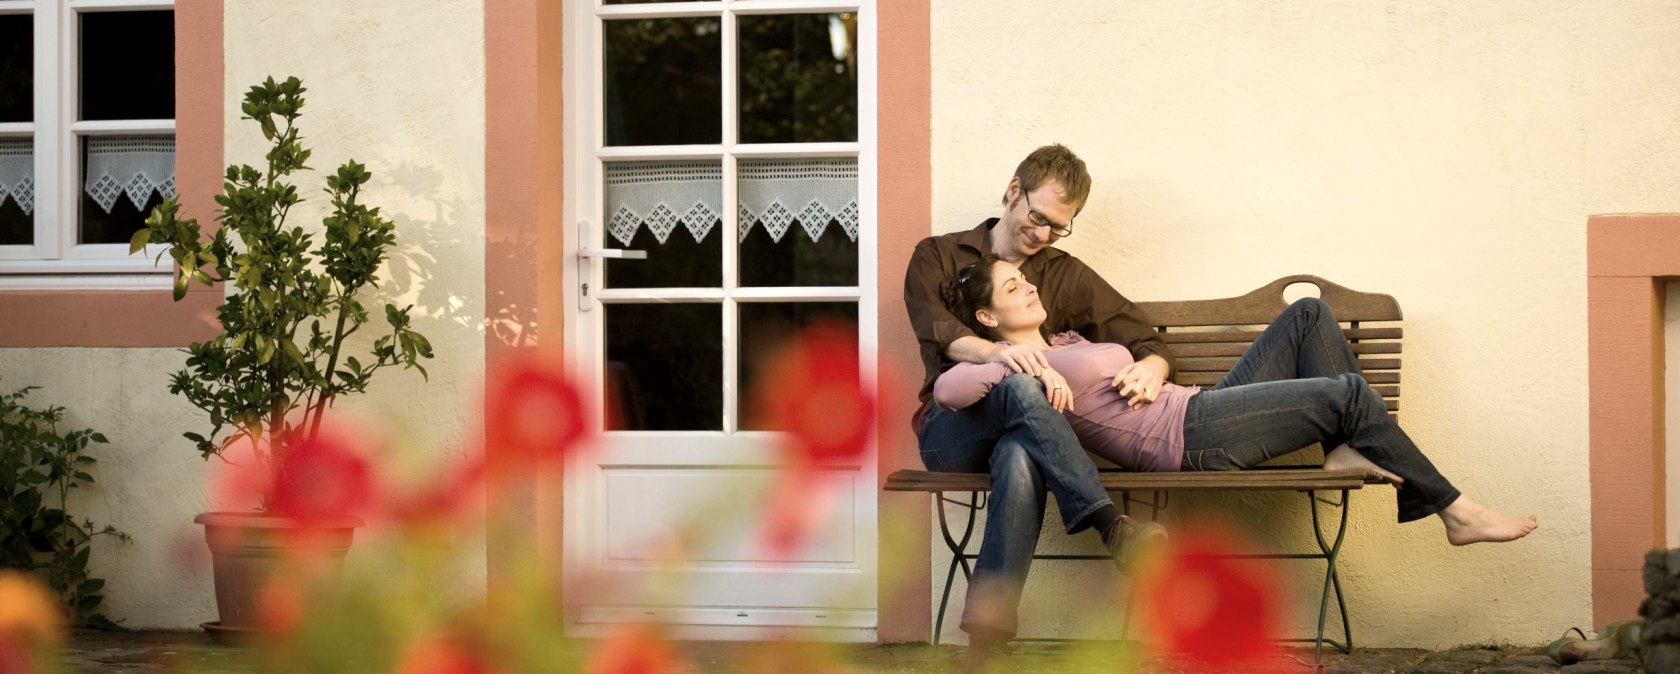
1057 390
1141 381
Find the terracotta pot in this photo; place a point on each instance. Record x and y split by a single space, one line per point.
247 549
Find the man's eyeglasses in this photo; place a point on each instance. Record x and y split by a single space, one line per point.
1038 219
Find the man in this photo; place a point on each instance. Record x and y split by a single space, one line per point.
1015 434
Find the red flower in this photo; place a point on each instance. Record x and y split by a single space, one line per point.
814 392
445 655
534 416
320 479
799 507
1217 612
635 650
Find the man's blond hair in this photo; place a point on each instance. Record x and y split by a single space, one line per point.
1055 162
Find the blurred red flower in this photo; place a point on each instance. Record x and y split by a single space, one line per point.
324 478
444 655
534 416
635 649
1214 611
814 391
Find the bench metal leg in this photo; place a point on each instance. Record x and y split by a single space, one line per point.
1331 579
959 555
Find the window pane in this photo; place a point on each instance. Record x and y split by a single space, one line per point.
663 81
766 328
128 65
123 179
17 68
664 366
798 78
17 191
798 222
672 210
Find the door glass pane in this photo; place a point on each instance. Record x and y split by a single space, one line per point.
798 222
663 81
766 327
798 78
672 210
17 191
664 366
123 179
127 65
17 67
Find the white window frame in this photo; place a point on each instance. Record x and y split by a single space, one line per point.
55 260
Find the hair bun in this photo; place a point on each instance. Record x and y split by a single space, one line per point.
950 292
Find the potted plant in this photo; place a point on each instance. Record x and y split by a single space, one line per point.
283 355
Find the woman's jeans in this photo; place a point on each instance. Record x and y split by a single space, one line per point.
1300 384
1026 445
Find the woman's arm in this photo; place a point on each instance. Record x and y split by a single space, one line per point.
966 383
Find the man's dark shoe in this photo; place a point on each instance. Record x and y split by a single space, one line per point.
984 647
1133 541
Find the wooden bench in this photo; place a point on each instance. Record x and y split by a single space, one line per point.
1207 337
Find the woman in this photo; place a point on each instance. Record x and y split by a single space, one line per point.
1299 384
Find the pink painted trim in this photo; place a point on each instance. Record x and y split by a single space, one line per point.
1628 256
131 318
523 241
905 110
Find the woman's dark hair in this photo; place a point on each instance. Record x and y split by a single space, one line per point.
969 290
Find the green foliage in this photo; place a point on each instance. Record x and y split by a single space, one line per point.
276 365
37 533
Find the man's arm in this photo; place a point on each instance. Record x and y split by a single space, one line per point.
938 329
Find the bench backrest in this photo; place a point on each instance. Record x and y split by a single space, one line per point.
1207 336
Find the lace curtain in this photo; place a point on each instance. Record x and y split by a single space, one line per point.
133 165
774 194
17 172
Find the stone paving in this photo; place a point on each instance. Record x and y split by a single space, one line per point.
160 652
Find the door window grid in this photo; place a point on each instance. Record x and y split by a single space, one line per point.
735 158
56 139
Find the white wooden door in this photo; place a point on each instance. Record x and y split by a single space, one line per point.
732 142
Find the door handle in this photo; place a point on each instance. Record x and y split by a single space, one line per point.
593 252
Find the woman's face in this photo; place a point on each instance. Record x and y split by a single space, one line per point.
1015 302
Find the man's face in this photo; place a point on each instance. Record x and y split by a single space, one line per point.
1029 234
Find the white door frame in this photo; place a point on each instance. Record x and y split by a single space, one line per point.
582 85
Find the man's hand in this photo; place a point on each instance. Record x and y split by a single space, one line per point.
1021 358
1141 381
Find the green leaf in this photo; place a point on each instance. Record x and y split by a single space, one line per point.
181 279
139 241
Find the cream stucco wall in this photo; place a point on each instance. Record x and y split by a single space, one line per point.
397 88
1445 153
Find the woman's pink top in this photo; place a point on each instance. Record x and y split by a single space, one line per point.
1150 438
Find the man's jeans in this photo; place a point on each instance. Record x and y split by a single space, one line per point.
1300 384
1026 445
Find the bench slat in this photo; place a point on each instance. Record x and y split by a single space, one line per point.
1225 363
1246 480
1215 349
1264 304
1245 336
1204 378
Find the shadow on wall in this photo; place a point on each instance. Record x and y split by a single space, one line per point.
429 247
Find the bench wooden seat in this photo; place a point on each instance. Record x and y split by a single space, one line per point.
1207 338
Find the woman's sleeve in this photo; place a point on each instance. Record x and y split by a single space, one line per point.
966 383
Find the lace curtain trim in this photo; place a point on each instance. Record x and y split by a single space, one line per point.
17 172
774 193
133 165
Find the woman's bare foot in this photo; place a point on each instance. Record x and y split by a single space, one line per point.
1471 522
1345 457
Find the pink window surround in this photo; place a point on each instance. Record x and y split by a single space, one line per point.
1629 257
148 318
